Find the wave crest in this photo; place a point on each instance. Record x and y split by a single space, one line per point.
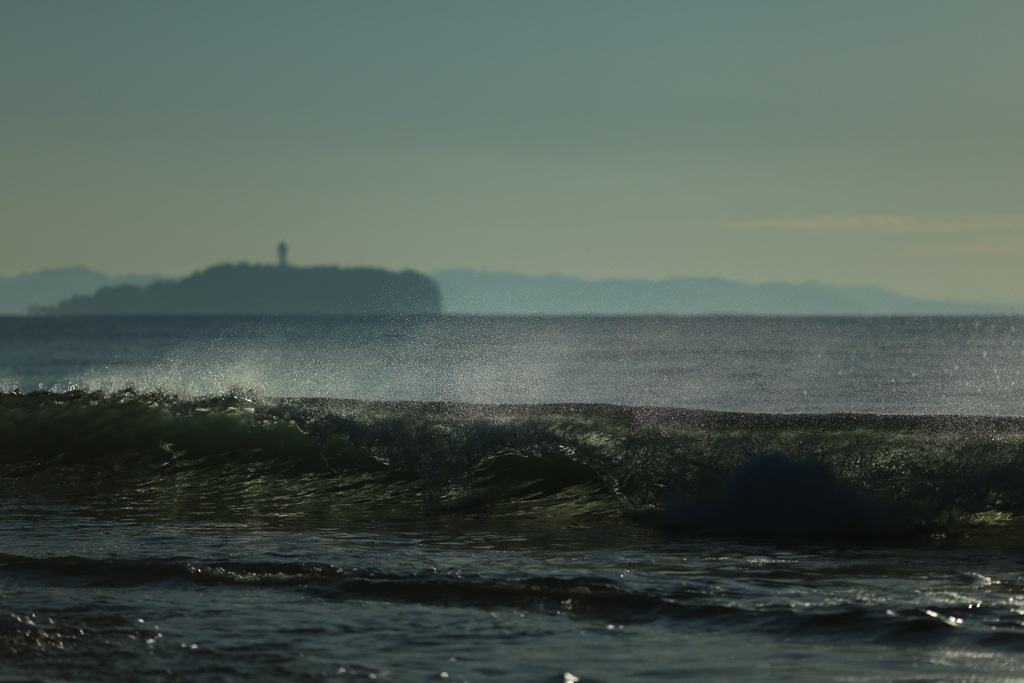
241 455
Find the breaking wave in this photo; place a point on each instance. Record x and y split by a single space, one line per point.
241 456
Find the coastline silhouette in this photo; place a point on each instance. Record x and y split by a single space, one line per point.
244 289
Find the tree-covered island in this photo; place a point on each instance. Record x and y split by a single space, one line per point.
245 289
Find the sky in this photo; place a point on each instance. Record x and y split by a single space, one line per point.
853 143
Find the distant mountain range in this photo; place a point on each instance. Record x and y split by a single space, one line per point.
470 291
475 292
48 287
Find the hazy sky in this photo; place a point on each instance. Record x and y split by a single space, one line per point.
850 142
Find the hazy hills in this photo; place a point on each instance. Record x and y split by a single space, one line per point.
474 292
47 287
469 291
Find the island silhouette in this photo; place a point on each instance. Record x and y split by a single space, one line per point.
244 289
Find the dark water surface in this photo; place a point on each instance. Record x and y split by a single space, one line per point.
600 499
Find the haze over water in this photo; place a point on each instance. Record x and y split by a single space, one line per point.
868 143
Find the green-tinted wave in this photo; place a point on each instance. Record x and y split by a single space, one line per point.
242 457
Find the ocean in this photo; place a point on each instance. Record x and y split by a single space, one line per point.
549 499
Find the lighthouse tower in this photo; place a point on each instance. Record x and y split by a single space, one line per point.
282 255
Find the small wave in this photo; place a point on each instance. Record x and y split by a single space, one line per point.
584 597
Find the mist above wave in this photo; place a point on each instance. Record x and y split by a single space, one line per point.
955 366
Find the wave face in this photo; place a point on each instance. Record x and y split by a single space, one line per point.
240 457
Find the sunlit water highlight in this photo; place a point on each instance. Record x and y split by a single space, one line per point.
963 366
226 519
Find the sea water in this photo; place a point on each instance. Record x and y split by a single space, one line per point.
511 499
